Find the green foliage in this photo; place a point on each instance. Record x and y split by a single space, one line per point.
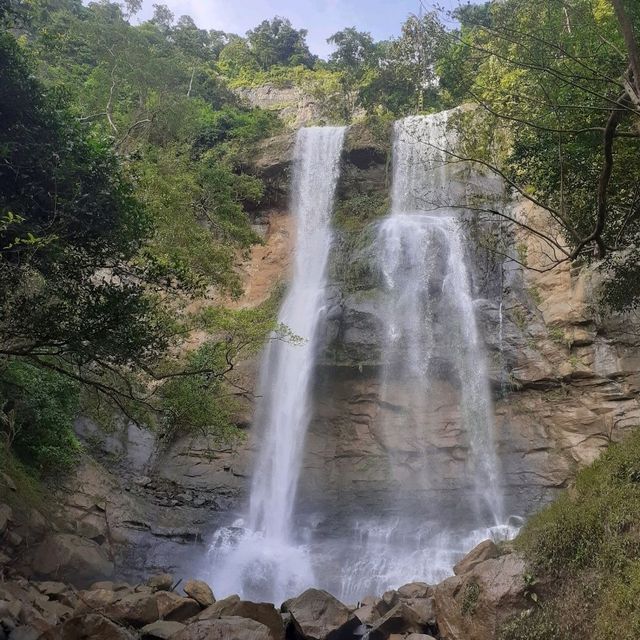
205 403
470 599
276 42
355 212
545 108
38 410
586 546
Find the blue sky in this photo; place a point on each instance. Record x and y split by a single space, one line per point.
320 17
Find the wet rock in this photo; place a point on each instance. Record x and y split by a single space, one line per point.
200 591
473 605
161 630
176 608
484 551
70 557
317 615
91 626
231 628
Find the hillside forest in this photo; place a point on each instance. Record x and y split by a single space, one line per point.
128 196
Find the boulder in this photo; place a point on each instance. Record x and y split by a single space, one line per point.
200 591
401 619
52 589
220 608
174 607
262 612
161 582
95 600
135 609
415 590
160 630
25 632
317 615
71 558
231 628
6 516
88 627
484 551
473 605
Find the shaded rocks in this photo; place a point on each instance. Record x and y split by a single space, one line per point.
91 626
160 582
200 591
160 630
66 556
473 604
173 607
6 516
135 609
231 628
317 615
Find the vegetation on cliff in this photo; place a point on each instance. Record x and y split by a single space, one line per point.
583 551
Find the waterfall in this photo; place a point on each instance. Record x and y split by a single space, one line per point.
434 379
287 369
432 324
268 562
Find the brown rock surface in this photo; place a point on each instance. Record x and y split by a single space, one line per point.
317 615
200 592
232 628
69 557
473 605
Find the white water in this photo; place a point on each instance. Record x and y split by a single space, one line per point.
433 348
263 558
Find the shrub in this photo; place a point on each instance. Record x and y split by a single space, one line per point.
41 406
585 548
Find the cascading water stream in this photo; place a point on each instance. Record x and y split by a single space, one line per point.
268 562
434 420
434 377
425 269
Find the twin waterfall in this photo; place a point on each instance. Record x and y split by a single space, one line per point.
431 340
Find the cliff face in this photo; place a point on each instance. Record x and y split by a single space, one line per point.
564 374
565 380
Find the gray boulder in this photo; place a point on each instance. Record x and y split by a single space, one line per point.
68 557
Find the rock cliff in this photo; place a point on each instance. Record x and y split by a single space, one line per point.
564 373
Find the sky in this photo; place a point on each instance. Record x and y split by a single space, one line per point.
322 18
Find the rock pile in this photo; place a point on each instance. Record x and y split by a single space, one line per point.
487 588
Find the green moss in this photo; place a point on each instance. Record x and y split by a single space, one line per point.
355 212
558 336
470 599
519 317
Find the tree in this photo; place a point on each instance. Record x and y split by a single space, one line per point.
355 50
556 83
276 42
